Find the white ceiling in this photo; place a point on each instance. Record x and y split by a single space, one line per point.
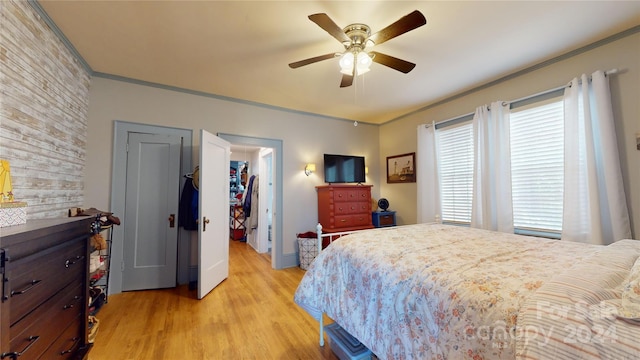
241 49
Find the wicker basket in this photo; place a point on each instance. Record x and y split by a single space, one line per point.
307 249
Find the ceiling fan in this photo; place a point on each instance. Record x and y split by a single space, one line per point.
356 39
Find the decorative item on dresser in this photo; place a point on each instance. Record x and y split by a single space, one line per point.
344 207
45 289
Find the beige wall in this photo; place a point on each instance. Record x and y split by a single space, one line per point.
624 54
305 139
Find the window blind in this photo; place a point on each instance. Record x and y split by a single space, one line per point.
537 166
455 146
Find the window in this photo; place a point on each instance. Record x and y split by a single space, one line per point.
537 168
456 172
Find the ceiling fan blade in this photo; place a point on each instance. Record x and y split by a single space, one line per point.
312 60
405 24
392 62
347 80
325 22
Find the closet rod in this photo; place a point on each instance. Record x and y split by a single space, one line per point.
456 119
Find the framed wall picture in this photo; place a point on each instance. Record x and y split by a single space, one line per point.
401 168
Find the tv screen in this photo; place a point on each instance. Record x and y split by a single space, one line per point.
343 169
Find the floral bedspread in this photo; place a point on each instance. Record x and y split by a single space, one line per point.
431 291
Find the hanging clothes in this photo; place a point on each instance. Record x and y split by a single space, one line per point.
252 222
250 204
246 197
188 208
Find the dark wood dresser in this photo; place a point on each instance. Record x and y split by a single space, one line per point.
45 289
344 207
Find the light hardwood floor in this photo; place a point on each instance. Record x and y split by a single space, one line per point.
250 315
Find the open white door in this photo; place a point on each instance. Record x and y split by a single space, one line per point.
213 213
265 204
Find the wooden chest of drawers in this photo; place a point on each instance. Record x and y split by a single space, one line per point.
344 207
45 289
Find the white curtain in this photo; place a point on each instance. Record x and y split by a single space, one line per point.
595 209
491 206
427 173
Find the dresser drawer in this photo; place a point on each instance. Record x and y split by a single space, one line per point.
343 195
351 194
351 220
352 208
42 326
67 345
387 220
34 279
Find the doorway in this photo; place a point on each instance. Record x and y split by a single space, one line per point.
184 253
277 258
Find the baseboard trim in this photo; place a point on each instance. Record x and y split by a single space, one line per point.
290 260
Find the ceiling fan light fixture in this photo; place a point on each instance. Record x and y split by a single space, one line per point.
346 63
356 38
364 62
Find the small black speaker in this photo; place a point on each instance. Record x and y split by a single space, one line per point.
383 204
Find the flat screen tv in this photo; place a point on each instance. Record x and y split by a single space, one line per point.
343 169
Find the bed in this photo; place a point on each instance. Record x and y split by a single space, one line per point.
433 291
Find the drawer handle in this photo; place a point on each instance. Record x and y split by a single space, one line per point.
29 287
75 342
14 355
343 220
68 262
71 306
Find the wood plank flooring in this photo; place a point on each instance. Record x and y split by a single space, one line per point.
250 315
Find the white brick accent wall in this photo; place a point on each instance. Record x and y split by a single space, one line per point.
44 104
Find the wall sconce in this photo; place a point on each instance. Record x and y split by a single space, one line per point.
309 169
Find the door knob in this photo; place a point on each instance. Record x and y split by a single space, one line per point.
205 221
172 220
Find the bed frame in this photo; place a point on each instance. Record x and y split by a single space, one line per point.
331 237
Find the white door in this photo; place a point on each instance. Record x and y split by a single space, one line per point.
213 212
150 226
265 205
